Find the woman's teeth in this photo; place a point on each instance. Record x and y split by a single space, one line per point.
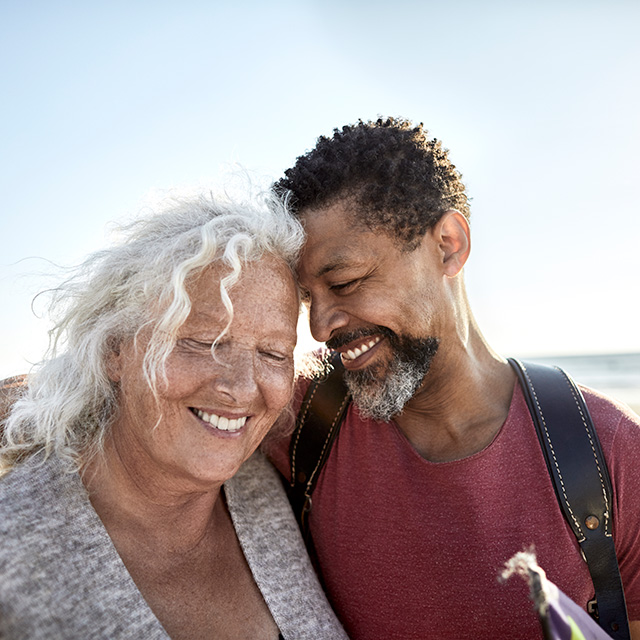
220 422
352 354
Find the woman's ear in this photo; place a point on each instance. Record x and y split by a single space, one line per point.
454 241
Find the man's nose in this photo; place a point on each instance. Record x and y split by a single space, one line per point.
324 318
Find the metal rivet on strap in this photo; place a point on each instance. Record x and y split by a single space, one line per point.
302 477
592 522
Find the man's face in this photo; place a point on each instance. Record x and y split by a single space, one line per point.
378 305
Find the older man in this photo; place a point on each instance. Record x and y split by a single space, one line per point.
437 477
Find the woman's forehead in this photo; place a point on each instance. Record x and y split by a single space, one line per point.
267 277
266 293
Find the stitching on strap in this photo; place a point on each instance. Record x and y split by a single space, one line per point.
303 420
553 453
607 521
326 442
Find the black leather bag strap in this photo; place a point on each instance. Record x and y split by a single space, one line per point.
581 481
317 426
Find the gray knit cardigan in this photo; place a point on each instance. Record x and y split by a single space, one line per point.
61 577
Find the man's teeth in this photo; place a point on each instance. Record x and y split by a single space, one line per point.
352 354
220 422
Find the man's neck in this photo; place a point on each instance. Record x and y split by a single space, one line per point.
461 405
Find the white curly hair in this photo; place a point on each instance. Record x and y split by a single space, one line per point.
139 283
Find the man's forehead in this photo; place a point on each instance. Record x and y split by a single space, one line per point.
335 240
335 263
333 254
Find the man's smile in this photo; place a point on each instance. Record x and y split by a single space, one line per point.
352 354
357 347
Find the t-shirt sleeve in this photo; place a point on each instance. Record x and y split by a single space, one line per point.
624 467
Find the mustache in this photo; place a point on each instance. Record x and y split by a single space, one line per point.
345 338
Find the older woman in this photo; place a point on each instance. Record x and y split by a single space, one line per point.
132 503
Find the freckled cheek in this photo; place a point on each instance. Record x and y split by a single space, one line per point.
277 389
184 376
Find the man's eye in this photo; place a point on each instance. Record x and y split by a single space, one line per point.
343 287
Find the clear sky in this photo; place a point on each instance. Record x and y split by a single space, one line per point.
539 103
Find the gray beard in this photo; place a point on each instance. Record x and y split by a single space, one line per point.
381 390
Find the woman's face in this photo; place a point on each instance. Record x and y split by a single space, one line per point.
212 413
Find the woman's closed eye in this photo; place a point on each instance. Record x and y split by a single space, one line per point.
275 356
191 344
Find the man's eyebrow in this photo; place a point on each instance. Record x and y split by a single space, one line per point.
337 263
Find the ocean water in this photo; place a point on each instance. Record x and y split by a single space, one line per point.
617 375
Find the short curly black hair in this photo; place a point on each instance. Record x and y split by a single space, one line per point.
399 180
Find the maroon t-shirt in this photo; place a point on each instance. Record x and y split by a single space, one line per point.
413 549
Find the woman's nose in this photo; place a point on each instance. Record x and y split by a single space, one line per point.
235 376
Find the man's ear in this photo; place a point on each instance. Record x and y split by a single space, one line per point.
453 236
